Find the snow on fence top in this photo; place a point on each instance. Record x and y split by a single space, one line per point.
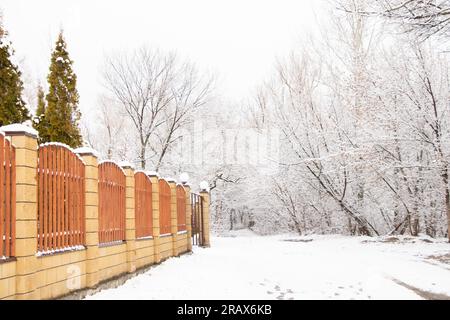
170 180
143 172
59 144
4 136
113 162
19 128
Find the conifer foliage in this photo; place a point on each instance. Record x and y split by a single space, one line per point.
12 107
61 115
39 121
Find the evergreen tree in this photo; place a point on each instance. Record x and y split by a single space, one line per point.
39 121
62 114
12 106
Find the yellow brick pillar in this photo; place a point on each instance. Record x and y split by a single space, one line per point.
25 141
155 215
205 206
130 218
187 188
91 208
173 216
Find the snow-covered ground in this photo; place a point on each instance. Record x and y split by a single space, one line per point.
289 267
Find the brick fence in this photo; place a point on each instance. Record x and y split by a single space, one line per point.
45 213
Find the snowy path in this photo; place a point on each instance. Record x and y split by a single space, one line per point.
270 268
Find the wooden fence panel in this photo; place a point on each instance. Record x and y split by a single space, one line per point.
181 208
164 207
61 214
143 205
111 191
7 198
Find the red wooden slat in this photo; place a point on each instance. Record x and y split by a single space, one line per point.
112 209
2 196
107 207
107 213
44 188
70 214
40 201
50 197
58 198
137 209
13 201
101 207
100 220
118 211
119 215
78 188
79 204
62 197
54 190
83 203
75 204
65 190
124 207
67 198
7 198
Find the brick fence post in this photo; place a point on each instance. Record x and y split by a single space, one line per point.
173 216
187 188
206 230
155 215
91 208
24 140
130 218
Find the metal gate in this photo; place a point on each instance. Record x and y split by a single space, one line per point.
198 237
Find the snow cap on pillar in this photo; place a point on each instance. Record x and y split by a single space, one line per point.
184 178
126 165
19 129
87 151
204 186
152 174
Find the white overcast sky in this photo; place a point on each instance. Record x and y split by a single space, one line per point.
238 39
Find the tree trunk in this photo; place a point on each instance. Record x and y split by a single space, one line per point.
447 200
142 156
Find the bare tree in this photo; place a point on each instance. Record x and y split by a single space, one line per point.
423 17
189 92
158 93
107 135
141 83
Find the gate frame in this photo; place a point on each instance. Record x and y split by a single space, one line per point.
197 220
